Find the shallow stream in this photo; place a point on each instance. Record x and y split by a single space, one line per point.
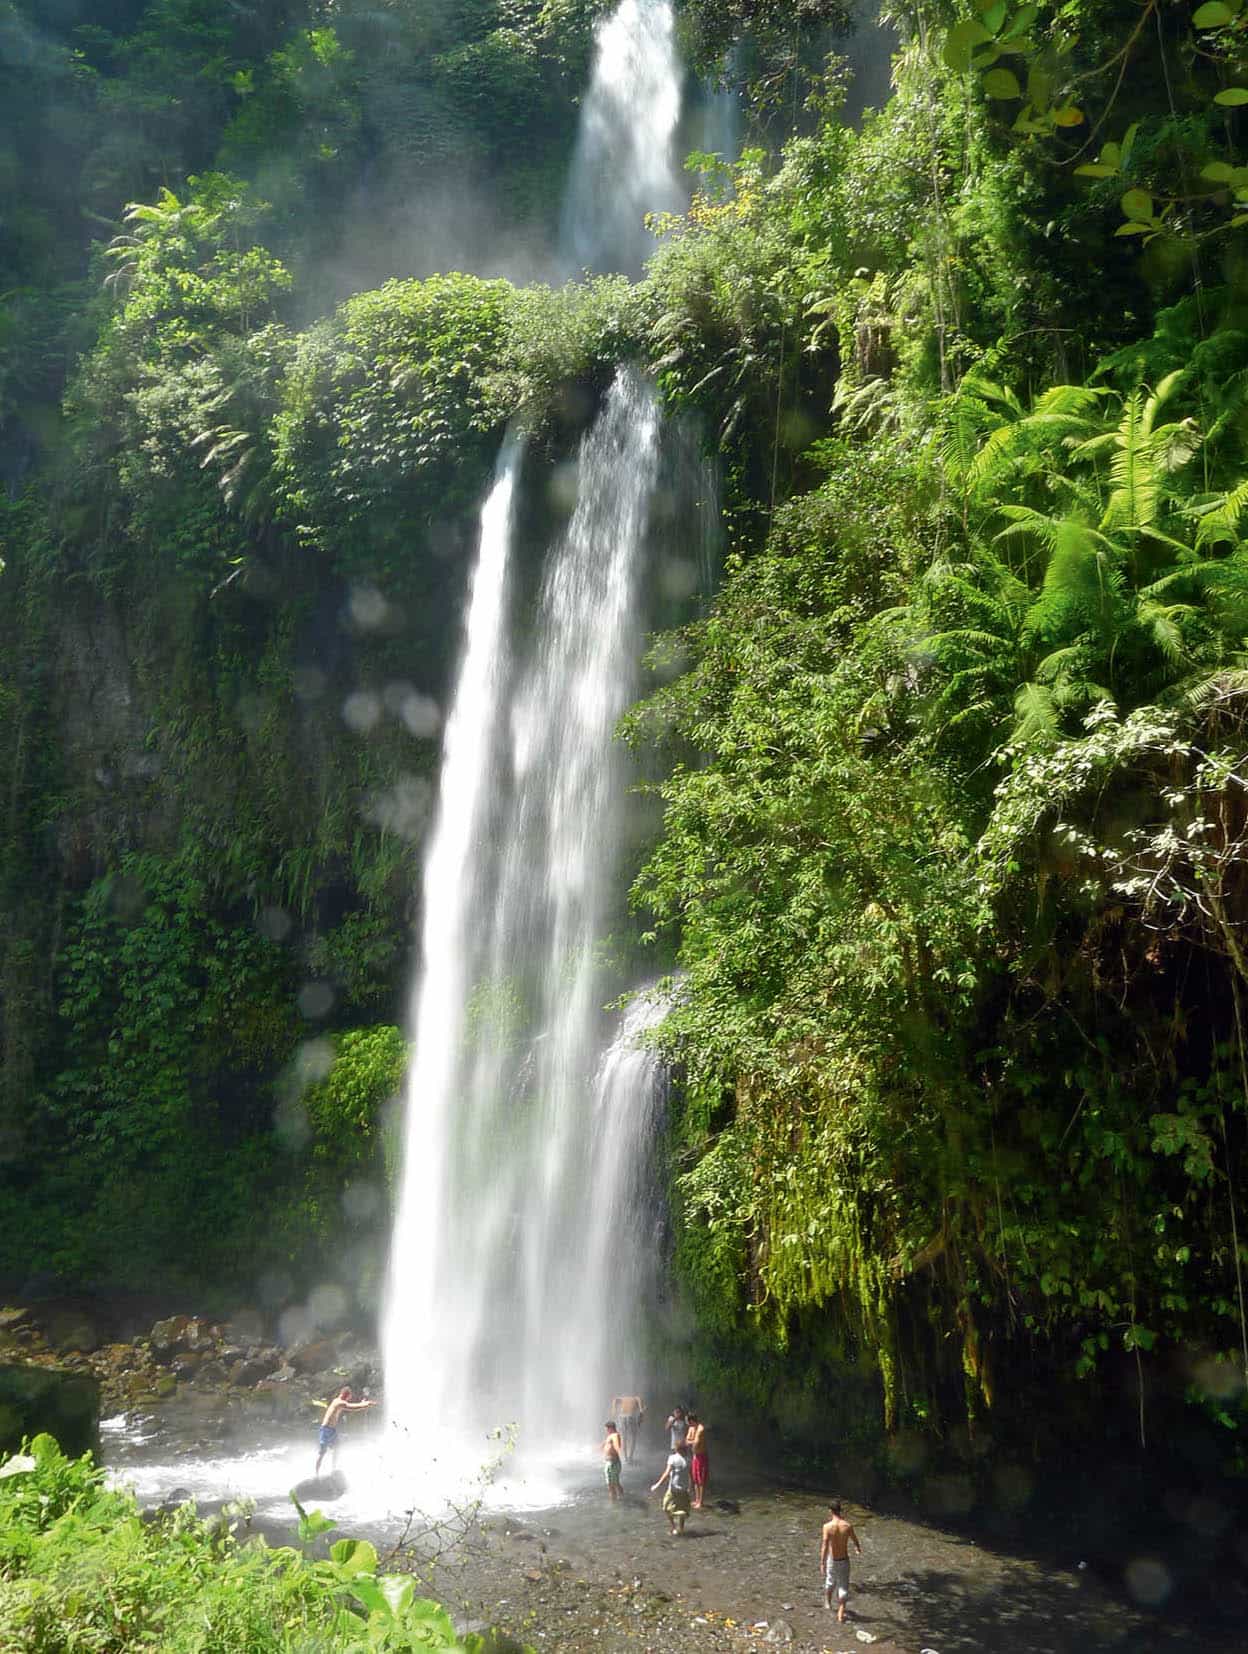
549 1558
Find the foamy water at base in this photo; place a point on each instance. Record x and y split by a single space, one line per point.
385 1478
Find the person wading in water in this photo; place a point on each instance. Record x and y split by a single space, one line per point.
834 1558
612 1455
699 1463
676 1499
629 1411
327 1441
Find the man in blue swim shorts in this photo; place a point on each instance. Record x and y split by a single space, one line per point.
327 1440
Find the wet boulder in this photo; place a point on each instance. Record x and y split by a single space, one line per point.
315 1357
250 1370
46 1399
166 1336
332 1486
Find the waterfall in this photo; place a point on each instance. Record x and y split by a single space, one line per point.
622 165
516 1258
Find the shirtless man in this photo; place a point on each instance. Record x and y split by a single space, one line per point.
699 1463
612 1455
628 1412
834 1559
327 1441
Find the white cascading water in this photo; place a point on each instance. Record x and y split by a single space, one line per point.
622 165
522 1242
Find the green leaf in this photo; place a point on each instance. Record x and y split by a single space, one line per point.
1240 219
1233 97
994 15
1096 169
1213 15
366 1590
1068 115
1002 83
355 1556
1133 229
1137 204
961 41
1022 19
1218 172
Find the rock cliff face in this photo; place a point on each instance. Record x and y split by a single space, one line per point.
34 1400
72 1355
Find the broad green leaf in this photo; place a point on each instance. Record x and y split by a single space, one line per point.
355 1556
994 16
1137 204
400 1592
1095 169
1218 172
1068 115
961 41
1133 229
1239 220
1234 97
1002 83
1039 89
366 1590
1022 19
1212 15
1127 141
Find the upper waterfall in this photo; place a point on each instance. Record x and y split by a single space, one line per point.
623 167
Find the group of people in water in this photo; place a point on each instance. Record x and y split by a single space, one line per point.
686 1475
687 1471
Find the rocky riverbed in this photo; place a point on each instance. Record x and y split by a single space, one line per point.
190 1396
745 1577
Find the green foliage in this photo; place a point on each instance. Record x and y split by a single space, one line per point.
80 1569
345 1108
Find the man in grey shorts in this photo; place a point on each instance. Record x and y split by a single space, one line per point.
834 1558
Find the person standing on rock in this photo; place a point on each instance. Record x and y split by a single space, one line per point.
327 1441
834 1559
612 1457
629 1411
676 1499
699 1463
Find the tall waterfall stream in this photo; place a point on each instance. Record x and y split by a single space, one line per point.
518 1255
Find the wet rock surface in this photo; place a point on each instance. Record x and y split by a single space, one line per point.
595 1577
152 1364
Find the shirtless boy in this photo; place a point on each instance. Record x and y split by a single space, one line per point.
327 1441
834 1558
699 1463
628 1411
612 1454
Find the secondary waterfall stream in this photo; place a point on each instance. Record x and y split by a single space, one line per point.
518 1256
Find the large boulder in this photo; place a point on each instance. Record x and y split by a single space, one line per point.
316 1357
65 1405
166 1336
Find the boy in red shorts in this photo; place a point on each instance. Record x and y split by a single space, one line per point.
699 1464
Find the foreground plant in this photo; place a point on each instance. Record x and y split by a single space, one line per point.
80 1568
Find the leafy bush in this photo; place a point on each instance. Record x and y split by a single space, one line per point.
80 1569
